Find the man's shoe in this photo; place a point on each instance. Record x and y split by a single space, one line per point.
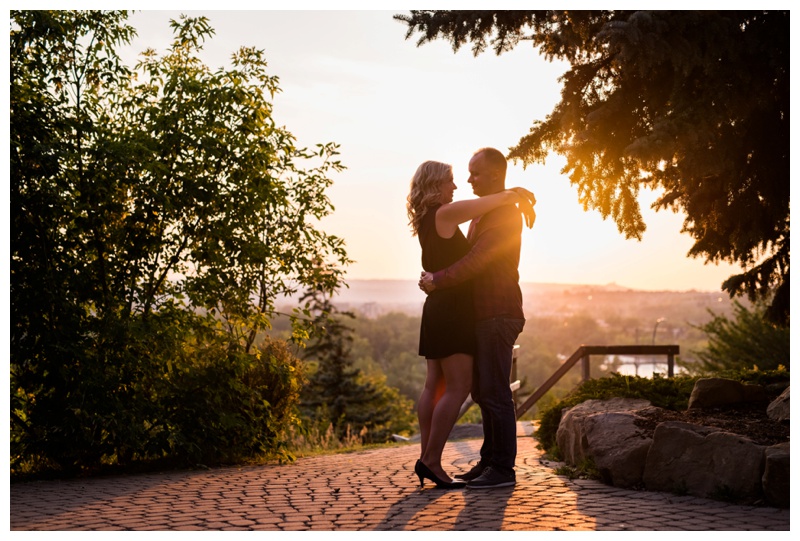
491 478
474 473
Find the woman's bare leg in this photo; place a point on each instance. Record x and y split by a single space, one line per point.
457 377
431 393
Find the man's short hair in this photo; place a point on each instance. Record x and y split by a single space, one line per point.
495 159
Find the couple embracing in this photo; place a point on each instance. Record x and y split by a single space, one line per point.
473 312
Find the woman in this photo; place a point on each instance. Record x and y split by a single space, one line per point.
447 338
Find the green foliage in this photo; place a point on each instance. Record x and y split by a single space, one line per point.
749 340
165 398
472 416
339 393
567 471
156 213
693 104
388 344
314 436
586 469
754 376
226 407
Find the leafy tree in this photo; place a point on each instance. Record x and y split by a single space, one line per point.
746 341
337 391
156 213
692 103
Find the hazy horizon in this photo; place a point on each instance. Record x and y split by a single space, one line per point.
373 298
609 285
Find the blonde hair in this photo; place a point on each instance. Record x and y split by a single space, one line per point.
425 191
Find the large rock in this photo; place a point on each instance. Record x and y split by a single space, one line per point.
680 457
571 434
716 392
619 448
776 475
779 408
703 461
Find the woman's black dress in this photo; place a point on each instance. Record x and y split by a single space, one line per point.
447 318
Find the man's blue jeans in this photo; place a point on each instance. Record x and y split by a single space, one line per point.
492 392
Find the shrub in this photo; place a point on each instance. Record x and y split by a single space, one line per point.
205 402
748 340
233 406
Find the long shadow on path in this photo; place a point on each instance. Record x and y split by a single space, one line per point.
448 510
431 508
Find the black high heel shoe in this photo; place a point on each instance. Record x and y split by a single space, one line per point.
423 472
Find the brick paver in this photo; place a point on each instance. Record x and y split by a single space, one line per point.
368 490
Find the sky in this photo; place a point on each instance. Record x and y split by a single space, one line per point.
351 77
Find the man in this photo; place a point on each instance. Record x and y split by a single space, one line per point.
492 263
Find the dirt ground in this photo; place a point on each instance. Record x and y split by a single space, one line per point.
750 421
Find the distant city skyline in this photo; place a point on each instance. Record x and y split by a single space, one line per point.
352 78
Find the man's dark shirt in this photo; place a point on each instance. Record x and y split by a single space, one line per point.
492 263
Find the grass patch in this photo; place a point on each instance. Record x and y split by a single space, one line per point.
587 469
320 440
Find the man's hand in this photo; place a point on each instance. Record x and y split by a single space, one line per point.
426 282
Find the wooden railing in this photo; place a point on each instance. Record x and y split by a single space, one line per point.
584 352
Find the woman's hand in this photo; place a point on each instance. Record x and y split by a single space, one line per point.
524 195
525 204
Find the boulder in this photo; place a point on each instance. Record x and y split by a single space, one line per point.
680 457
716 392
779 408
617 446
777 387
754 393
775 481
703 461
571 433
